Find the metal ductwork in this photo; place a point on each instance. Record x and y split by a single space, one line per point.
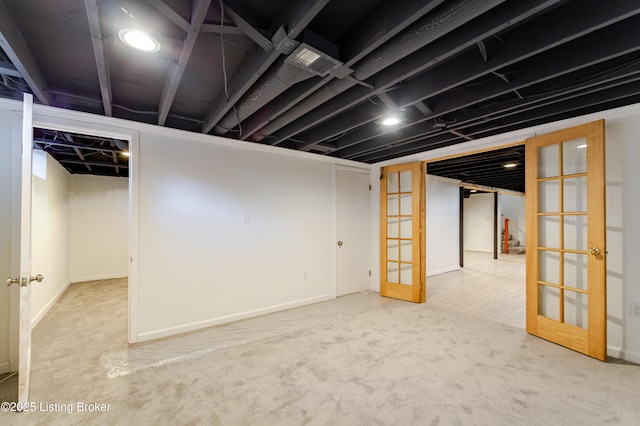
444 19
283 76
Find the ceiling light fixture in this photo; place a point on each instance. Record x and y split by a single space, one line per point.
390 121
139 40
125 154
509 165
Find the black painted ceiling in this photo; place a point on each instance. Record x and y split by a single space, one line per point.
454 70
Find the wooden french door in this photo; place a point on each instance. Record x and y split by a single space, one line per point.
402 242
566 263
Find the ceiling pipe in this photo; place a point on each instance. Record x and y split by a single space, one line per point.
433 26
283 76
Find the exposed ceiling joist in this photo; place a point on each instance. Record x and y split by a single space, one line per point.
176 70
95 163
102 61
170 14
7 68
604 45
247 28
16 48
221 29
296 16
434 53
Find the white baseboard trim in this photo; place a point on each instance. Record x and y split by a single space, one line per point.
614 352
97 277
443 271
170 331
36 319
630 356
4 367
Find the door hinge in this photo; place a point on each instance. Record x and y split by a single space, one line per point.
369 272
369 187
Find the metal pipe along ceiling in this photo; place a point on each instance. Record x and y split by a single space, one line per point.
283 76
418 35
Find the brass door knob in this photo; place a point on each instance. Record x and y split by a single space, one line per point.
340 244
594 251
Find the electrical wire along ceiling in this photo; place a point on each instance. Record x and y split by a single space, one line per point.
366 80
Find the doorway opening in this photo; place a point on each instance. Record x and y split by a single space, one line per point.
490 282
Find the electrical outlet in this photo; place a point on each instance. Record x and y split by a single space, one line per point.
635 309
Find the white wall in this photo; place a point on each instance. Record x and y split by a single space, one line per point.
5 236
623 203
443 223
50 234
99 239
513 207
199 263
478 222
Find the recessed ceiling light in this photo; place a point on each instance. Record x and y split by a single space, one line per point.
125 154
139 40
509 165
390 121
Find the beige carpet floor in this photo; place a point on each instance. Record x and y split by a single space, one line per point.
358 360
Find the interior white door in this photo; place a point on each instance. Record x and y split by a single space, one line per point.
21 268
353 232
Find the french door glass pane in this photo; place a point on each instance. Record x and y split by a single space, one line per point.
549 231
406 274
575 232
548 165
392 272
575 270
549 302
392 205
574 156
405 227
405 204
405 181
392 183
549 265
576 310
392 250
548 196
575 194
392 227
406 254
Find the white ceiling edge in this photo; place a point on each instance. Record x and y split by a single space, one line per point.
521 135
54 114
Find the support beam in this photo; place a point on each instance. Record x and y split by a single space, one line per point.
296 16
16 48
102 62
176 70
170 14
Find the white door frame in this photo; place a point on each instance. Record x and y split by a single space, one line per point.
63 120
334 230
